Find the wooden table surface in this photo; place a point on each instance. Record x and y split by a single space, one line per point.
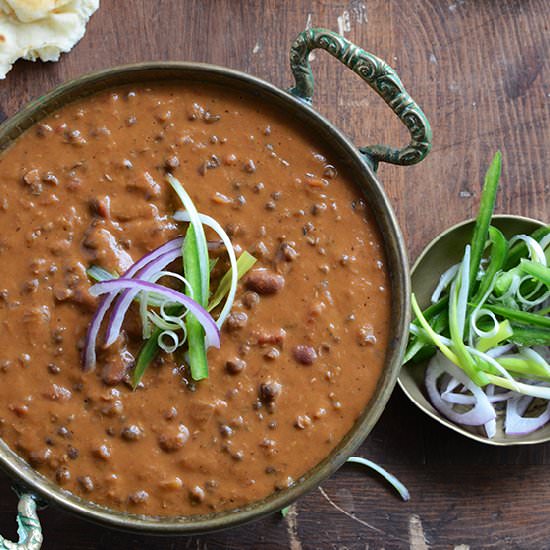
480 70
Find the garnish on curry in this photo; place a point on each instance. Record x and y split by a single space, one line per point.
241 282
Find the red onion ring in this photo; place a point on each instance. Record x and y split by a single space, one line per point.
124 301
211 330
89 353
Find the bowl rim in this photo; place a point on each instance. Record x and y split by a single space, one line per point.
395 252
433 412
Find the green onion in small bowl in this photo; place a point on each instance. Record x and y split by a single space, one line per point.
443 252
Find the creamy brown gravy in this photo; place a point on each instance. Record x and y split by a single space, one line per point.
77 190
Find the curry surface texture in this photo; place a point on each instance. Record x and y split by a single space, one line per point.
297 364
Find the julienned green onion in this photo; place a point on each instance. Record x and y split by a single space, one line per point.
284 511
493 324
390 478
170 318
244 264
483 220
99 274
196 268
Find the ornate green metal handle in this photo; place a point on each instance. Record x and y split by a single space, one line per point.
379 76
28 526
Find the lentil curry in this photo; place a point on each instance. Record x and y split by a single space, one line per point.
301 351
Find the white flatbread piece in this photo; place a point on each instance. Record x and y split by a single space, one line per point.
41 29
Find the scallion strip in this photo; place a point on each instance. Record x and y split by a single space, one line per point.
457 311
390 478
537 271
523 317
146 354
524 367
504 332
201 244
196 268
530 336
445 350
483 220
244 264
499 250
519 250
99 274
195 333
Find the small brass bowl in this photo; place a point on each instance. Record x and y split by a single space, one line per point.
444 251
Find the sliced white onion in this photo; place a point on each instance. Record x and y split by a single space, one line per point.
481 412
516 424
490 428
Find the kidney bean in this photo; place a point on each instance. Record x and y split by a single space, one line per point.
264 281
269 391
366 336
102 452
40 456
305 355
250 299
86 484
139 497
131 433
235 365
173 440
62 475
196 494
236 321
274 338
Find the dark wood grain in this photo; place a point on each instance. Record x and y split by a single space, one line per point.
480 69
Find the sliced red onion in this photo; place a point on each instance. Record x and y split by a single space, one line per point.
95 325
481 412
211 330
174 244
89 359
127 297
516 424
